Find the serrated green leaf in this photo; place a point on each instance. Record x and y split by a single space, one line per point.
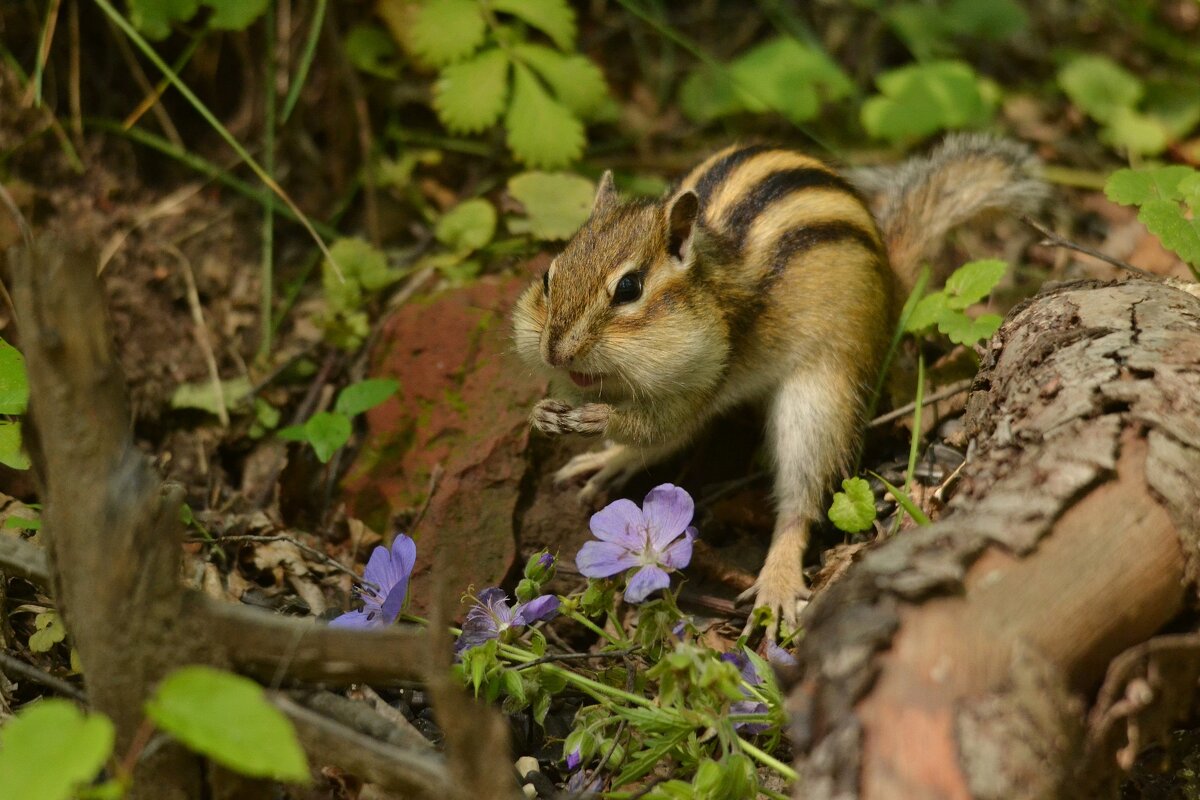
1165 220
370 49
853 508
235 15
229 719
14 380
556 203
359 397
927 312
541 131
963 330
1138 186
445 31
469 96
1135 132
202 395
1189 187
12 454
154 17
552 17
919 99
50 748
50 631
467 227
974 281
326 431
1099 86
363 267
575 80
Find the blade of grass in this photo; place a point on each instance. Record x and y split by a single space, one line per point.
904 500
306 59
43 54
267 277
216 125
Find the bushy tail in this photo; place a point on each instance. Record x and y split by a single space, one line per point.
919 201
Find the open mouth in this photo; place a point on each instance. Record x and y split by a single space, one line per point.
583 380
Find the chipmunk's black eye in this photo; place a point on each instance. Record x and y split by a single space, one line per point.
546 281
629 288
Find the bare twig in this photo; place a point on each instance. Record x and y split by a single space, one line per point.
202 337
22 559
17 667
549 659
312 551
1052 239
941 394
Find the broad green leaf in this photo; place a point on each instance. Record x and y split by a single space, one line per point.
1099 86
154 17
11 452
228 718
50 631
470 96
1138 186
370 49
326 431
552 17
14 381
1165 220
445 31
202 395
1189 187
556 203
235 15
22 524
973 281
963 330
50 749
1135 132
541 131
468 226
575 80
853 508
919 99
927 312
358 397
987 19
1174 104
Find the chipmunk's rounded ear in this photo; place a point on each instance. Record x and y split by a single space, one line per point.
606 193
681 224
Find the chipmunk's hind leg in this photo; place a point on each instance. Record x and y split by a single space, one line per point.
609 468
812 427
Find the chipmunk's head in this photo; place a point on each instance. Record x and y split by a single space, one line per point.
619 311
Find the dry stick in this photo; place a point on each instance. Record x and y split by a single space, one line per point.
73 94
151 94
202 338
575 657
15 666
941 394
22 559
1052 239
324 557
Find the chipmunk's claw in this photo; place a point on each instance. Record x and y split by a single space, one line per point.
609 469
555 417
785 596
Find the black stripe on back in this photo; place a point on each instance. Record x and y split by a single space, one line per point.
719 171
771 189
806 237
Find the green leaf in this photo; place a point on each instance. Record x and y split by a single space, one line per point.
1175 104
50 748
927 312
11 452
363 266
326 431
1099 86
1165 220
974 281
445 31
202 395
358 397
370 49
50 631
22 524
963 330
920 99
229 719
905 501
14 381
1138 186
574 79
1135 132
468 226
556 203
541 131
988 19
235 15
154 17
853 508
469 96
552 17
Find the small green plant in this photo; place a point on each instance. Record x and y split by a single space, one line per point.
50 749
933 30
946 309
1168 199
155 17
327 431
555 204
364 272
853 508
920 99
491 66
14 398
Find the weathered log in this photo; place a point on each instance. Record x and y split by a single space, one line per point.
963 659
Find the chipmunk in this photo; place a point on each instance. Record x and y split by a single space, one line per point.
764 276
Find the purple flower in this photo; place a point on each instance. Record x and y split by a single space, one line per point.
491 617
655 538
573 759
776 655
385 585
545 561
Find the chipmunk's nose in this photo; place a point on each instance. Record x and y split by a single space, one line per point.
558 350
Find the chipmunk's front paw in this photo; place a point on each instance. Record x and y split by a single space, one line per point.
784 593
554 417
609 469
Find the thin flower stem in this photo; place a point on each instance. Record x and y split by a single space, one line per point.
767 760
616 623
601 691
587 623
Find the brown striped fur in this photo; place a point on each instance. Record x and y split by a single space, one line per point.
764 279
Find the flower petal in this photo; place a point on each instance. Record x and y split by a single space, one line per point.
492 596
644 581
778 657
382 572
620 521
356 619
404 554
678 555
538 608
573 759
602 559
394 601
473 638
668 510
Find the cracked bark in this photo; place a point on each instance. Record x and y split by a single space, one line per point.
969 658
